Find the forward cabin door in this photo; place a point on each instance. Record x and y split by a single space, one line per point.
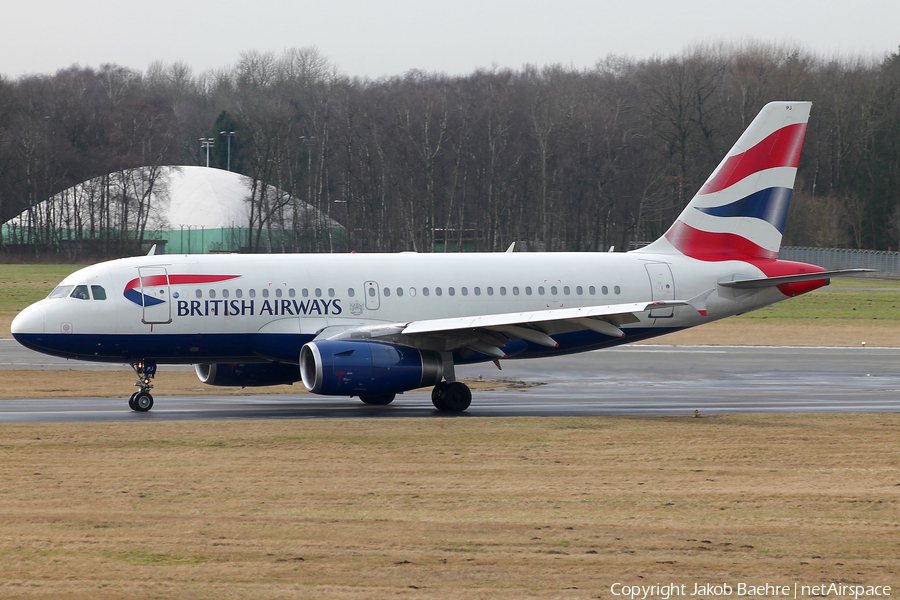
662 287
373 298
154 286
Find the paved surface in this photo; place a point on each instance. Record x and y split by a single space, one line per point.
633 380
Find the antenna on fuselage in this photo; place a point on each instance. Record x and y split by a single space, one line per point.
511 247
152 250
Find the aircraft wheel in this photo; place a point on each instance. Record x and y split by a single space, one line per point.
131 401
143 402
378 399
437 391
456 397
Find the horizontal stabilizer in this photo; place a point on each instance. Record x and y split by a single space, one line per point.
763 282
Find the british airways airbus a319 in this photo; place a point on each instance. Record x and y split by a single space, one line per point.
376 325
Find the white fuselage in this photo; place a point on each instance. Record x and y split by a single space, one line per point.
205 308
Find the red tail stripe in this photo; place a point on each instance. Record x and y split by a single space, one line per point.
705 245
780 149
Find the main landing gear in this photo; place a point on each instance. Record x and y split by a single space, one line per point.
452 396
141 400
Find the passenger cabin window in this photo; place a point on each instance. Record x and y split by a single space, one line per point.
387 292
331 292
265 293
605 290
212 293
424 291
81 292
305 292
292 293
252 293
318 292
198 293
617 290
224 293
351 292
399 291
238 293
278 292
98 292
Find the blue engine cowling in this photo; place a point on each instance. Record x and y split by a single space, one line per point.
354 367
248 374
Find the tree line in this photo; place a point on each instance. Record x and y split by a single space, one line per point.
552 158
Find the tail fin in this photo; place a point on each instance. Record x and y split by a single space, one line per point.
740 211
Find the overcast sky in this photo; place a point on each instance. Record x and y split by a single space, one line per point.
374 38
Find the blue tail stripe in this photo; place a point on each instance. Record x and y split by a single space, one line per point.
770 205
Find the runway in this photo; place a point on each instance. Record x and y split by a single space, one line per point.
632 380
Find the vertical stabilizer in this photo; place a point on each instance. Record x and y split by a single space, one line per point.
740 211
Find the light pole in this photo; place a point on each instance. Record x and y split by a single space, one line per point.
230 135
207 143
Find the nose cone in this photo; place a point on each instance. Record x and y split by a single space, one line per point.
29 321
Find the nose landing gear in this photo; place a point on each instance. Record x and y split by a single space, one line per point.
141 400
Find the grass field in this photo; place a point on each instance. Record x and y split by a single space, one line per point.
446 508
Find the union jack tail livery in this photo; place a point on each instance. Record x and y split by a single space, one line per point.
740 211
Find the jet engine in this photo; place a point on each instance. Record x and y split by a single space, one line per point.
248 374
363 368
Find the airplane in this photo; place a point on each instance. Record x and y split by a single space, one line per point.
376 325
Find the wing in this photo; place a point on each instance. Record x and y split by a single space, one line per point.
487 334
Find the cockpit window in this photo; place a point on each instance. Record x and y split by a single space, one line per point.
98 292
61 291
81 292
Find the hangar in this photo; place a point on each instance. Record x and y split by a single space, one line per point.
181 209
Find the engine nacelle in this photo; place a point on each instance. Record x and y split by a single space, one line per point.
248 374
354 367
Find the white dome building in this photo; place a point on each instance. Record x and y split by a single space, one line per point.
181 209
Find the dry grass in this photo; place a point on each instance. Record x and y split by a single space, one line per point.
445 508
756 332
